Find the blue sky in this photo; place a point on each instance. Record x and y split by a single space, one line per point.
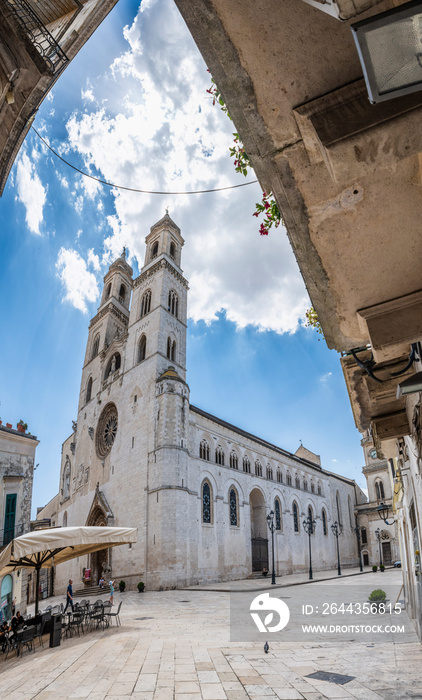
132 108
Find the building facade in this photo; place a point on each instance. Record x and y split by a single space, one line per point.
197 488
17 458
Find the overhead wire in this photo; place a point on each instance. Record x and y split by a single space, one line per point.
134 189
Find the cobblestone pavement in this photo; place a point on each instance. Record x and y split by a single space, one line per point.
174 645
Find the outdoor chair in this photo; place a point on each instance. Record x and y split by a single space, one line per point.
25 639
106 613
115 615
77 621
96 616
39 631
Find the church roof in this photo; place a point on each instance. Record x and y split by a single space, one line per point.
171 373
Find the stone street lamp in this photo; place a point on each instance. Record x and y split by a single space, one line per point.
271 525
309 527
337 529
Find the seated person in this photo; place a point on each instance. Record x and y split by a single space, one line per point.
17 623
4 629
101 582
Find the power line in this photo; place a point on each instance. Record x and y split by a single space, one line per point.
133 189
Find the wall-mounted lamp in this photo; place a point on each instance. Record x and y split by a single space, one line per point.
383 511
390 51
412 384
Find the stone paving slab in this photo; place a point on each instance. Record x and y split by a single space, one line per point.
183 653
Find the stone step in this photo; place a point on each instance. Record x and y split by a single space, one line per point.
88 591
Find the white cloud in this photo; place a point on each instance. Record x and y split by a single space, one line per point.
160 131
79 284
31 192
323 379
93 260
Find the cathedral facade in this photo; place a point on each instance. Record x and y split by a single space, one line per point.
197 488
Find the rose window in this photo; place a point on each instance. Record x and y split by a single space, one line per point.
106 430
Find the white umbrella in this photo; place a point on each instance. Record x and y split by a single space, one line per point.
42 549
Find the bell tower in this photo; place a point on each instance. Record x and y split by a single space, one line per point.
159 306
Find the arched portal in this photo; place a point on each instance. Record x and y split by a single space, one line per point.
259 531
99 561
6 597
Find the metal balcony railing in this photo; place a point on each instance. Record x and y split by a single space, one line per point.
41 38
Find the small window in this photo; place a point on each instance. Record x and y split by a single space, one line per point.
363 535
288 479
258 468
379 490
305 485
279 476
277 512
173 303
154 251
319 489
219 455
204 450
108 291
206 502
146 303
88 390
312 487
234 520
142 348
234 462
171 349
295 517
246 465
122 293
172 250
297 482
324 522
269 473
95 346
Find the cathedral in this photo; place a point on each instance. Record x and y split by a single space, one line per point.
197 488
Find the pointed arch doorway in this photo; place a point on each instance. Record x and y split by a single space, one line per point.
100 515
259 531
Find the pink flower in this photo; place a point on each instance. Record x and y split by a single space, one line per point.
256 213
263 231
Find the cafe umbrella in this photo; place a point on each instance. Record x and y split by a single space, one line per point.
42 549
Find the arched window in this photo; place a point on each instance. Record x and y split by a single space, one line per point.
305 485
379 490
173 303
108 292
154 251
142 348
171 349
277 513
288 479
113 365
279 476
172 250
146 303
324 522
311 519
234 520
312 487
234 462
319 489
338 506
219 455
206 502
297 482
88 390
122 293
269 472
204 450
363 535
295 517
246 465
258 468
95 346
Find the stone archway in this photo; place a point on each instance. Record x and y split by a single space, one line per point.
259 530
98 560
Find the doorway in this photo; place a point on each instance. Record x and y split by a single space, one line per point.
259 539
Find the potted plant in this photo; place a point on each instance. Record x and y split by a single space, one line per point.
122 586
382 567
375 568
22 427
377 598
141 586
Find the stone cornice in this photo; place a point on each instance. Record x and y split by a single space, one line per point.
159 265
110 308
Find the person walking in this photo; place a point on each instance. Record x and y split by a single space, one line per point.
111 592
69 596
